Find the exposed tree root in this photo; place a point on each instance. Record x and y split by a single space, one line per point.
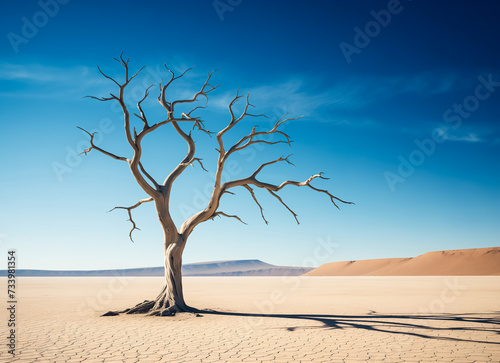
159 307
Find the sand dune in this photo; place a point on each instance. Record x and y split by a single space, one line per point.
469 262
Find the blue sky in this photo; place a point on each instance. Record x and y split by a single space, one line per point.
400 103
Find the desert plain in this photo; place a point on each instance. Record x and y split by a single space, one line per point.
261 319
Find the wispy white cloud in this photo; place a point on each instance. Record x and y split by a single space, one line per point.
303 97
43 81
291 96
446 134
470 137
41 73
298 96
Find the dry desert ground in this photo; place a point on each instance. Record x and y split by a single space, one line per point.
261 319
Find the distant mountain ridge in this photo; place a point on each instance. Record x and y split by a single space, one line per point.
215 268
466 262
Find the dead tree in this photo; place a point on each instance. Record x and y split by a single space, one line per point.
170 299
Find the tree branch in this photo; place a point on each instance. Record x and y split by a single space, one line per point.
157 186
129 210
169 107
332 197
251 180
173 78
204 91
184 163
287 207
143 116
248 140
135 142
256 201
194 109
218 214
199 161
92 146
108 77
233 120
113 97
281 158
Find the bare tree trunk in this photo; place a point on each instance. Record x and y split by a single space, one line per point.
170 300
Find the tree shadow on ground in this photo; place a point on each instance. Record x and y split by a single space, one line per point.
426 325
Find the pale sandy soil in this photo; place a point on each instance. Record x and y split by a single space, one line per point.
308 319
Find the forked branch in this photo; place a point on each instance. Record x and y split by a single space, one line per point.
204 91
157 186
286 206
189 159
218 214
255 137
92 146
255 199
142 116
129 210
272 189
134 139
199 162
